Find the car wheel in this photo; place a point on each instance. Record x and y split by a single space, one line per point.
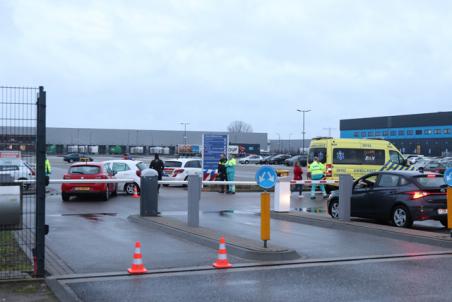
129 188
70 161
65 196
334 209
246 162
401 217
443 221
106 195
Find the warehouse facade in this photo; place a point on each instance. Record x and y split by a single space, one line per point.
429 134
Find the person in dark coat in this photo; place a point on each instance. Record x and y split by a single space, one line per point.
158 165
222 176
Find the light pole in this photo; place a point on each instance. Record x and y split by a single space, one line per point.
185 131
290 134
279 142
329 130
304 132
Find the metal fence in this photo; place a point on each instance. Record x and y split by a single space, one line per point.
22 157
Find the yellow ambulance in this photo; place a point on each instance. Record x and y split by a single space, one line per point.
356 157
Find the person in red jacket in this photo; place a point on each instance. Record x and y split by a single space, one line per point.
298 175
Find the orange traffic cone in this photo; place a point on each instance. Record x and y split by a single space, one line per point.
135 192
137 264
222 258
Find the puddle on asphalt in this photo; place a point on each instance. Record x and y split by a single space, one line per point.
91 216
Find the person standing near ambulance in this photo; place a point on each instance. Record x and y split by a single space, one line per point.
230 172
317 170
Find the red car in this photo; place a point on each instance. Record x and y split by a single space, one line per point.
89 170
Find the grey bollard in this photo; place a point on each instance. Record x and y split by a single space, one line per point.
194 196
345 194
149 193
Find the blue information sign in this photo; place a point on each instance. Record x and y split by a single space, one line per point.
266 177
213 146
448 176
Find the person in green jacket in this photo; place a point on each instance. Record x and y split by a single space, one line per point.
230 172
48 170
317 170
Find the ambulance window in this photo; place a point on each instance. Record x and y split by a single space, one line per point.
395 157
317 152
358 156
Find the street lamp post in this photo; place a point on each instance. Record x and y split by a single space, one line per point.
185 131
304 132
329 129
279 142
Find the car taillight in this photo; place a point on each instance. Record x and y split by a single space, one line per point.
177 171
329 170
101 177
418 194
66 177
138 172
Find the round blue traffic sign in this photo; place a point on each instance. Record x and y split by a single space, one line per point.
266 177
448 176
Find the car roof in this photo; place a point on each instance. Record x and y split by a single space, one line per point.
89 163
184 160
122 161
403 173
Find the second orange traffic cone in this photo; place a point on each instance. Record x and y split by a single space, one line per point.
137 264
135 192
222 257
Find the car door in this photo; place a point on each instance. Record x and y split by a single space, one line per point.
361 205
384 195
121 169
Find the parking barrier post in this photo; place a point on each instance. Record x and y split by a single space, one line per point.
449 208
345 194
194 196
149 193
265 217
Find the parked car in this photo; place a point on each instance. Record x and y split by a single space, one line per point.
250 159
76 157
278 159
397 196
433 166
265 160
17 169
127 169
301 158
179 169
88 170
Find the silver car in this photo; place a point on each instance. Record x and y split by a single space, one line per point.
250 159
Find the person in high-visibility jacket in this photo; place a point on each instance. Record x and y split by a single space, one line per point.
48 171
230 172
317 170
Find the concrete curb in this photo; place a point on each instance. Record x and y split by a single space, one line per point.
423 237
237 246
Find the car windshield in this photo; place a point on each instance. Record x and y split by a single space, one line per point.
431 181
173 164
86 170
141 166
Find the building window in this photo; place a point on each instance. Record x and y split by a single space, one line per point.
385 133
437 131
428 131
370 133
393 133
409 132
355 134
377 133
418 132
363 134
401 132
446 131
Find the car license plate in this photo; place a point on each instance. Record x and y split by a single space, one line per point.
442 211
82 188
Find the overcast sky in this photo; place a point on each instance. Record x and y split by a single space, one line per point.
152 64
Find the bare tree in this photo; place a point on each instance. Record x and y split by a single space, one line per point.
237 127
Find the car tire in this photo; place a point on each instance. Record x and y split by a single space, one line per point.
444 221
70 161
129 187
401 217
106 195
334 209
246 162
65 196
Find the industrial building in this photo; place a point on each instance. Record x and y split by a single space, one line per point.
119 141
427 133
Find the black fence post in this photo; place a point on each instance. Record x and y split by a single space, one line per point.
40 182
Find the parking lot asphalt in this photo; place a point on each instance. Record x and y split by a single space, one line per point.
412 279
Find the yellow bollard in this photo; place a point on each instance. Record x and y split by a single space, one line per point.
265 217
449 208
